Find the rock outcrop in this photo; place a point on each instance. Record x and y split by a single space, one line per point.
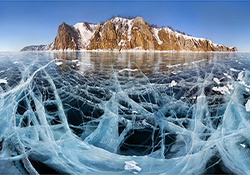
128 34
66 38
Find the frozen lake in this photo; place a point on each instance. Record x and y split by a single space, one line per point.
124 113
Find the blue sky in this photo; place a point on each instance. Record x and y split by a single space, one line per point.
35 22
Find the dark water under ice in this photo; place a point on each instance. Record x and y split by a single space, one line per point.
124 113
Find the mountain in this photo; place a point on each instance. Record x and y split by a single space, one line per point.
126 34
34 48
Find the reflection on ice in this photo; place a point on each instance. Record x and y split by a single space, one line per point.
124 113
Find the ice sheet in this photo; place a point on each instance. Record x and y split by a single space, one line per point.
124 113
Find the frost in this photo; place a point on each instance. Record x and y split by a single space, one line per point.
124 113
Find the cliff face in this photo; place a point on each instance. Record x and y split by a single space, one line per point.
126 34
66 38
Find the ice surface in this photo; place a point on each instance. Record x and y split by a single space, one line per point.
124 113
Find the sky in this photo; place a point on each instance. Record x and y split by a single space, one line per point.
35 22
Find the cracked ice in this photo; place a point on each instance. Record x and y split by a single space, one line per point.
124 113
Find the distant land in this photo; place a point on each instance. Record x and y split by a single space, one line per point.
120 33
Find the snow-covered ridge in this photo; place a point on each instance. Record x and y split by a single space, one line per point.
154 30
187 37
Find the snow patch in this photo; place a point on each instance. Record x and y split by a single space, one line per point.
85 33
130 70
222 90
59 63
124 22
131 166
122 43
156 36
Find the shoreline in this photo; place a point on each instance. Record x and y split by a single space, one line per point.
126 51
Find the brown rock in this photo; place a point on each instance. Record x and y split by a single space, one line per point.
66 38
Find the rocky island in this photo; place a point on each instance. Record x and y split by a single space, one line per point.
126 34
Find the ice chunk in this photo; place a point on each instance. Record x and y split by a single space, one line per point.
1 97
217 80
59 63
247 105
243 145
234 70
173 83
3 81
240 75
